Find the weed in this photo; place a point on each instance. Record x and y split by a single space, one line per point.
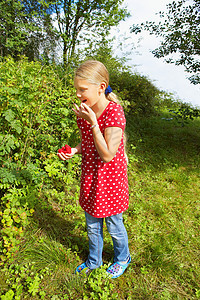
99 285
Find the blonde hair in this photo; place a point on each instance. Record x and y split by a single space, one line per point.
95 72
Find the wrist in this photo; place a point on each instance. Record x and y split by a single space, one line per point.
93 121
94 125
76 150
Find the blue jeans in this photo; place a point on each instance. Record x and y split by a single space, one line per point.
119 236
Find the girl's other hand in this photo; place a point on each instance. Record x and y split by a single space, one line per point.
85 112
66 156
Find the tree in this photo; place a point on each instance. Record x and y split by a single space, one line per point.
180 34
32 27
12 34
24 25
85 22
42 36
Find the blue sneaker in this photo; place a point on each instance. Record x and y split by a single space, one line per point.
118 268
83 269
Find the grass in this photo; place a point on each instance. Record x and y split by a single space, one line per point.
162 222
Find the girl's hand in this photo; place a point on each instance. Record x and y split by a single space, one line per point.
66 156
85 112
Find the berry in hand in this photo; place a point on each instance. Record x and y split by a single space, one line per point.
65 149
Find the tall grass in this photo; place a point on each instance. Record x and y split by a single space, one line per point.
162 222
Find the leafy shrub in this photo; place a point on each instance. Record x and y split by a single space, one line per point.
165 101
24 279
36 120
14 217
185 112
99 285
35 110
137 90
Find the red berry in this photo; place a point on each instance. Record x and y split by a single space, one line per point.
65 149
68 149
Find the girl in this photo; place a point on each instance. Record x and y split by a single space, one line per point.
104 183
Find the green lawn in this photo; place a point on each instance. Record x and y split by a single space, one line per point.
162 223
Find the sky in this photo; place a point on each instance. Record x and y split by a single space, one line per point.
167 77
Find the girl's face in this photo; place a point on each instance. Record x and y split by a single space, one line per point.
87 92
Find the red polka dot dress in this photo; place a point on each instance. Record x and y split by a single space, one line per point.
104 186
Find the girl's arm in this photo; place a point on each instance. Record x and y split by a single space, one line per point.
106 145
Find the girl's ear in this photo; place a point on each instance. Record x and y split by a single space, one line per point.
102 87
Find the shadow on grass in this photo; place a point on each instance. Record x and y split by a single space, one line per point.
159 142
70 231
61 229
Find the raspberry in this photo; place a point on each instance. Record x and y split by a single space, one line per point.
65 149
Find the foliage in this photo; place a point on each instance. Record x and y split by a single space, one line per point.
14 218
185 113
24 26
165 101
24 280
137 90
33 102
180 35
105 54
69 25
13 38
36 119
85 23
99 285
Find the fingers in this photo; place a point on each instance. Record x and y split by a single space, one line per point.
85 112
64 156
81 108
77 107
76 112
85 106
80 111
67 156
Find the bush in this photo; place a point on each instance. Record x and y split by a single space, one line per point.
137 90
36 120
184 113
35 110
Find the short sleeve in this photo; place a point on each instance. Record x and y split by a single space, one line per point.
116 117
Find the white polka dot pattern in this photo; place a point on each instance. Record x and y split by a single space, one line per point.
104 186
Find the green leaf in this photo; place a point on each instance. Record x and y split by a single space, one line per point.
17 126
9 115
